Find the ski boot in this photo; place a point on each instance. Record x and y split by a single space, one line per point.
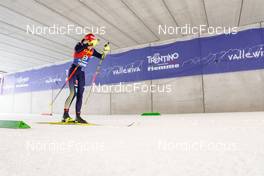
67 118
79 119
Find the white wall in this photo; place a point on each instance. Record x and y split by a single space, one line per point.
6 103
237 91
41 102
186 95
22 103
97 103
135 102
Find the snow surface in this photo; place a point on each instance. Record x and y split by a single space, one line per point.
227 144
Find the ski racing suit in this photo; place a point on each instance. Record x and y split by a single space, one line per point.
82 55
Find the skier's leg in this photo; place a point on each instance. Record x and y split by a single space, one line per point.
71 97
69 100
75 91
80 90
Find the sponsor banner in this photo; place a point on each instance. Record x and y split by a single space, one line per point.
1 84
225 53
9 84
217 54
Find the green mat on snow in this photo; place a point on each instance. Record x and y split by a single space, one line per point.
13 124
150 114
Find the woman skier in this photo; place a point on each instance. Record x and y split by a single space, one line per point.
84 51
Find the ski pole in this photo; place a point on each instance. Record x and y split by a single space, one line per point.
94 77
93 80
68 79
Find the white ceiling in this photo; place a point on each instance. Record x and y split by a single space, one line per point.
127 22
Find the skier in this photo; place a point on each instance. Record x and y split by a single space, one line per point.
84 51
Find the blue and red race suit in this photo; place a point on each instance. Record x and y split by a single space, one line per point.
82 55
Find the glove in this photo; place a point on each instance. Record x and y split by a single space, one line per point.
106 49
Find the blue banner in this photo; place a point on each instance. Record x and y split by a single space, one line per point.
217 54
1 84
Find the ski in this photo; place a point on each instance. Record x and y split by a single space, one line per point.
68 123
84 124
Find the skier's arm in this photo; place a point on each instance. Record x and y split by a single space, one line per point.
80 47
104 53
98 55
